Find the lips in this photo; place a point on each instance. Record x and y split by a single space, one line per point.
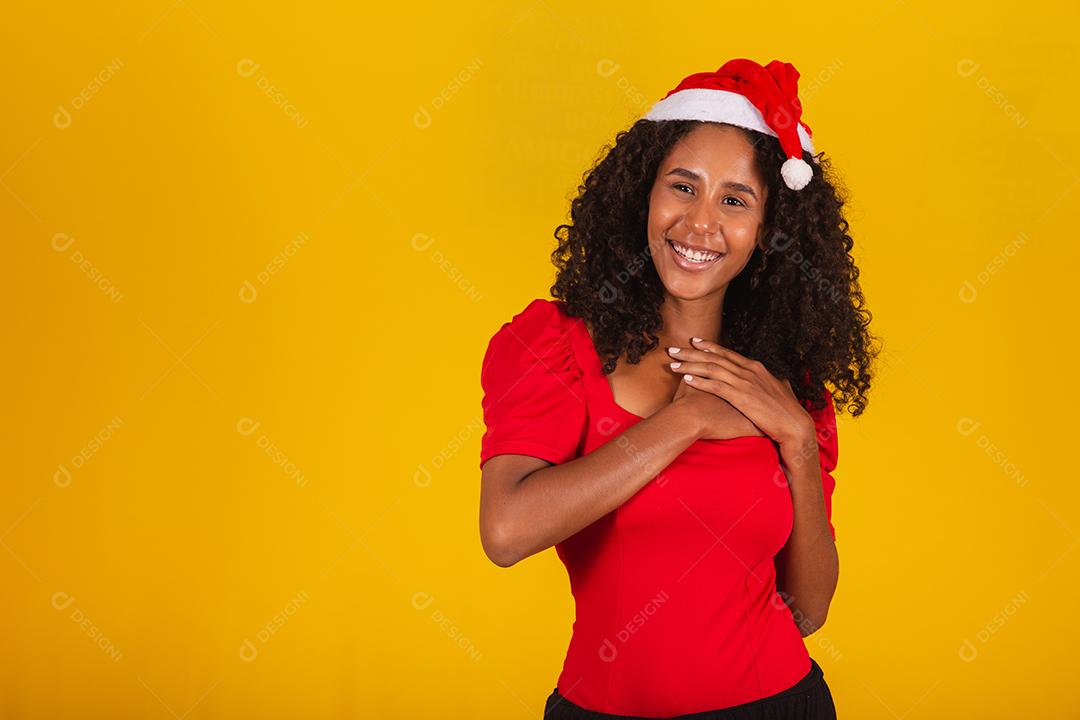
694 248
693 257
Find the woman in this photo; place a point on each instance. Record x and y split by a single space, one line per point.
664 422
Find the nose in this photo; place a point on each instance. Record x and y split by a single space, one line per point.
699 219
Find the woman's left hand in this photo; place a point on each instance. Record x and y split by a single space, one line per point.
768 402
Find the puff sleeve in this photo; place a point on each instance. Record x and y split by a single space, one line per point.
828 451
533 392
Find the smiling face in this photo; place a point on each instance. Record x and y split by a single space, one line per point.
706 211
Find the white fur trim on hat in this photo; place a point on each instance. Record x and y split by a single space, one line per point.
717 106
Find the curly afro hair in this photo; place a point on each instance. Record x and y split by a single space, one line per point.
796 306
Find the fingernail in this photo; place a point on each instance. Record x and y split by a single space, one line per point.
673 350
675 365
696 339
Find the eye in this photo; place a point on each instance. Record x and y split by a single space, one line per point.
738 202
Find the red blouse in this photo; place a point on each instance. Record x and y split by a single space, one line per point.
675 590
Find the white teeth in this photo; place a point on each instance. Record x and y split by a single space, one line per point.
696 256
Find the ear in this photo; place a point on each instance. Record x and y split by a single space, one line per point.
763 233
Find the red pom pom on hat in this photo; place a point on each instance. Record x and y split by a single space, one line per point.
742 92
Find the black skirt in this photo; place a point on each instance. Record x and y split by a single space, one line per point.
808 699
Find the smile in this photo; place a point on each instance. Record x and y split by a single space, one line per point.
687 257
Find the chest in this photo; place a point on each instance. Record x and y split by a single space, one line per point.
645 387
726 501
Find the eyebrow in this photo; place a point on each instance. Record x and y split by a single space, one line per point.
731 184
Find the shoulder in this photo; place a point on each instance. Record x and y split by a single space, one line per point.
540 313
542 321
536 337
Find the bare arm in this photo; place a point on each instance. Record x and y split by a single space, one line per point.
808 566
528 504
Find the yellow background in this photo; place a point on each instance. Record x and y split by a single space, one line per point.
255 256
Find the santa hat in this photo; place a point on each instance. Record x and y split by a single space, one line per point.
744 93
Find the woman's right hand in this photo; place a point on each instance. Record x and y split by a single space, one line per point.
719 419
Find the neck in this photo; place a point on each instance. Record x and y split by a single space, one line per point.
684 319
